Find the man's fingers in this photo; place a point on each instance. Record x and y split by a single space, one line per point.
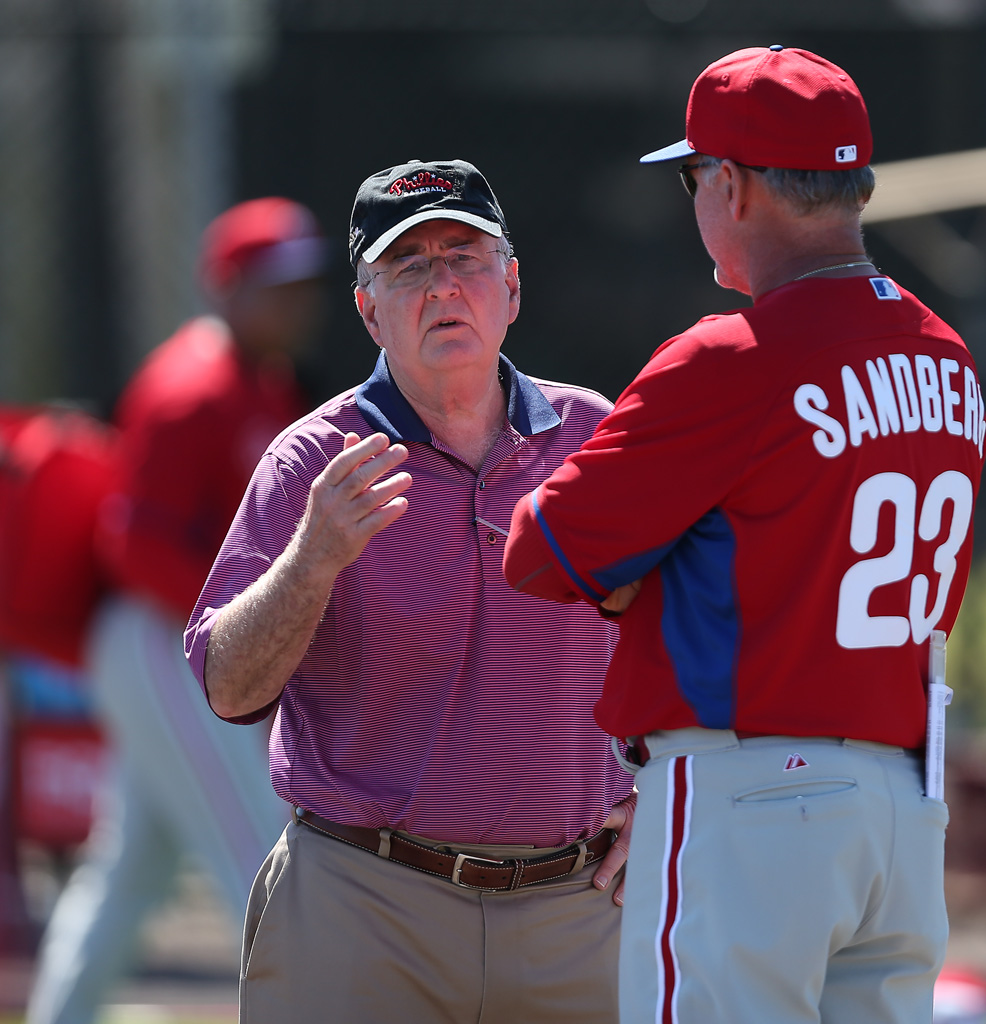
383 493
620 819
622 597
382 516
363 511
609 867
362 461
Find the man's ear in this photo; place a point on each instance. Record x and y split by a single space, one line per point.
513 284
367 309
737 187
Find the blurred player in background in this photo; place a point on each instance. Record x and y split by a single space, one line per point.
194 420
960 996
794 483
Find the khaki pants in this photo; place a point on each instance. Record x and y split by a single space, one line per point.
334 933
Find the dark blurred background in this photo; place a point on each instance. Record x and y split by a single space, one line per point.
125 125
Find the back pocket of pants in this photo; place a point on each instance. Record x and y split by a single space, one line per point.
803 788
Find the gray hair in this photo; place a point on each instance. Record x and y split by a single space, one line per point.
364 275
813 191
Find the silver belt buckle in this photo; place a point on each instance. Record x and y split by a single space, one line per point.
457 870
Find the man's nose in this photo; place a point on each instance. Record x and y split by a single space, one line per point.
440 276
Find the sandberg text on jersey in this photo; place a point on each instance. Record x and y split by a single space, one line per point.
899 393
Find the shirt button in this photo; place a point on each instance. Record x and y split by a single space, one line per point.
482 485
491 538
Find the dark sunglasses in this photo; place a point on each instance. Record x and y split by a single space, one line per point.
691 185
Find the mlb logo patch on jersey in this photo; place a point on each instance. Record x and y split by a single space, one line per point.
884 288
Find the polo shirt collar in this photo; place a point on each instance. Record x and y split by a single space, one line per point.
385 408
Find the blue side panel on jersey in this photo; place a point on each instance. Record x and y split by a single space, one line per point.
630 569
701 623
583 584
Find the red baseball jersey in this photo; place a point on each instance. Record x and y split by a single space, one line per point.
795 483
194 421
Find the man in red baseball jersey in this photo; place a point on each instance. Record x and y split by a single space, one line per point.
780 505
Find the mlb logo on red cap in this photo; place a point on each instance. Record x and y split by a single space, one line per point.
845 155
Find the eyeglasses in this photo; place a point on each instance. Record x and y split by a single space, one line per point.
410 271
691 185
685 173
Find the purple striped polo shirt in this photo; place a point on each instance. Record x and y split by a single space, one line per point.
434 698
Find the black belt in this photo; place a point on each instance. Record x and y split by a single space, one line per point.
465 869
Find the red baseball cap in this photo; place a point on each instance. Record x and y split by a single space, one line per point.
775 106
268 241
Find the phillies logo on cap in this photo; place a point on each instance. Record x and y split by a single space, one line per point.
423 182
845 154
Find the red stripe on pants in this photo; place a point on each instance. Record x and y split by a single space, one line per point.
678 796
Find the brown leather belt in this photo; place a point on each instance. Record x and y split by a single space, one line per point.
464 869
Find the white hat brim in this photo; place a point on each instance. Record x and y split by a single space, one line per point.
677 151
373 252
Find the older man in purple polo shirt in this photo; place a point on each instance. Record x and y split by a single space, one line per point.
434 727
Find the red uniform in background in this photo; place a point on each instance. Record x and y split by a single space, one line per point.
56 466
194 422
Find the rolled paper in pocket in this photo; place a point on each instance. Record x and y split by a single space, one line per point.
939 696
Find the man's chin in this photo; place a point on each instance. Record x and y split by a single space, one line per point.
724 282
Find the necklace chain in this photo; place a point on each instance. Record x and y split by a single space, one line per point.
838 266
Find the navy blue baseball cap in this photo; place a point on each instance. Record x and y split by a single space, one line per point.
391 201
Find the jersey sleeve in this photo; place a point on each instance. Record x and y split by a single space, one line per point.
676 442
